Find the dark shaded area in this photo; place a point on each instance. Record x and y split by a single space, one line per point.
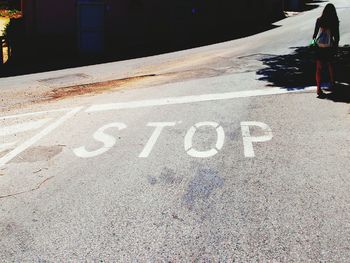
42 42
297 71
310 6
60 55
11 4
301 6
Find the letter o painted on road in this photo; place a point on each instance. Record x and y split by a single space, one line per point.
204 154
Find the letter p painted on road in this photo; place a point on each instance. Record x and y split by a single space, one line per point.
248 140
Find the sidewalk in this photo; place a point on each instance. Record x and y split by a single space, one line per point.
172 67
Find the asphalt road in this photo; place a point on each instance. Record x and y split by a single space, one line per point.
185 157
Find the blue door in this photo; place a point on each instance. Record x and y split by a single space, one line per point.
91 24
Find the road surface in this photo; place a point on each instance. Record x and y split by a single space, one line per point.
194 156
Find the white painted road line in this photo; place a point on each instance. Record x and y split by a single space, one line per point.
171 101
23 127
9 156
33 114
7 146
192 99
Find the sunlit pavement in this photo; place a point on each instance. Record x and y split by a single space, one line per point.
190 156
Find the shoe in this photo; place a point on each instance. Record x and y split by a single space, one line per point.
332 85
320 95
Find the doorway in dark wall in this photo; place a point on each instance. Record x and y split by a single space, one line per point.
91 27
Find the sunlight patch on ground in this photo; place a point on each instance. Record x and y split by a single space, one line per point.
3 22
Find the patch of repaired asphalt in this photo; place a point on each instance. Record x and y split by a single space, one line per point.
217 66
39 153
93 88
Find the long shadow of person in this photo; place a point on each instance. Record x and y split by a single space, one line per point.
297 71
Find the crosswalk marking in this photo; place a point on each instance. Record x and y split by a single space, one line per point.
23 127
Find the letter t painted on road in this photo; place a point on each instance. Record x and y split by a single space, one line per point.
152 141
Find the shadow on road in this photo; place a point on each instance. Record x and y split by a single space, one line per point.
176 26
297 71
47 60
312 5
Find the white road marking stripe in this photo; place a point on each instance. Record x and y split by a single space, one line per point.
192 99
32 114
8 157
6 146
23 127
169 101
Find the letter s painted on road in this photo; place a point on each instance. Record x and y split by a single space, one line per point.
100 135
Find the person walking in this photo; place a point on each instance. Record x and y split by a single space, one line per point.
326 36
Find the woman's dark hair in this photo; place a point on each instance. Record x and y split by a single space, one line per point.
329 17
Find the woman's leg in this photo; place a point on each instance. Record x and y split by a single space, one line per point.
318 75
331 73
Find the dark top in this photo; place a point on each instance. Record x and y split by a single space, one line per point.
334 31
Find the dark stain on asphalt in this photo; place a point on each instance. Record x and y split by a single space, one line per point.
205 182
14 231
64 78
176 217
133 81
167 177
93 88
152 180
39 153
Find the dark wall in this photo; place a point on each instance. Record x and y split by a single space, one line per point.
148 21
139 27
15 4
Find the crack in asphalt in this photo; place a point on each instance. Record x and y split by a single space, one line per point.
31 190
